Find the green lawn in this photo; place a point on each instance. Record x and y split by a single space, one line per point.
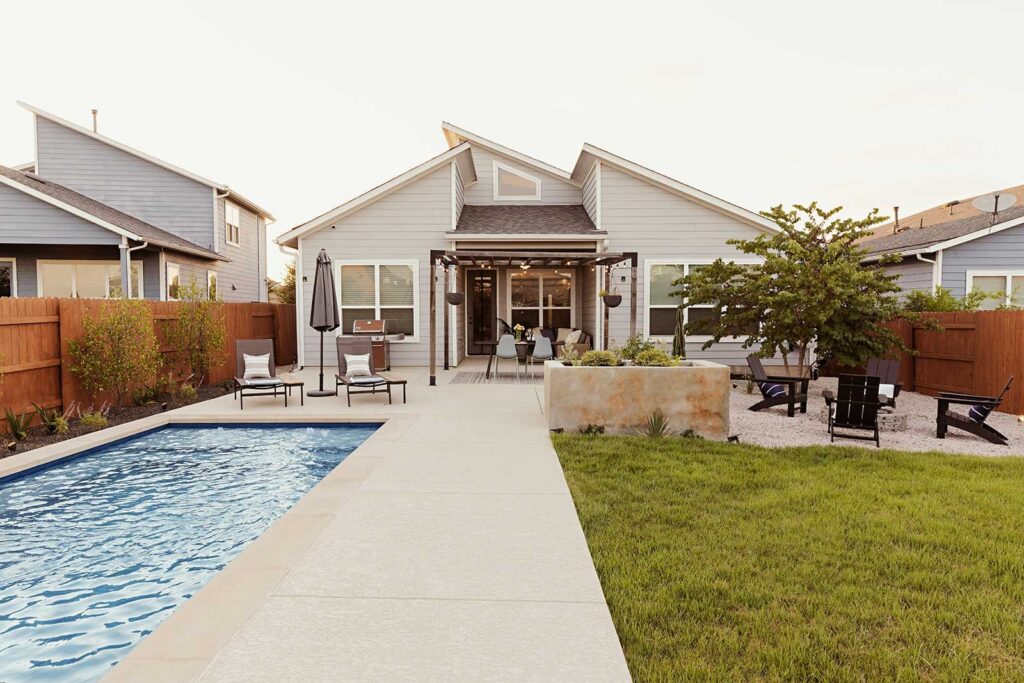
737 562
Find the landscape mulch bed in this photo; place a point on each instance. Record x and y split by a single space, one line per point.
39 436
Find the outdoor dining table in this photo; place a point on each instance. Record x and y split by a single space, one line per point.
523 349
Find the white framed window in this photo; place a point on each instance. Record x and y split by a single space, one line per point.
511 184
86 279
232 223
211 284
1003 287
8 276
173 281
660 305
541 297
380 290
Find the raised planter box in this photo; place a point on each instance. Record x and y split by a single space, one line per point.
693 395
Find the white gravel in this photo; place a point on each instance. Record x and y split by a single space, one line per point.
771 427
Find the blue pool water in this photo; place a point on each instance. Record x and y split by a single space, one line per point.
96 551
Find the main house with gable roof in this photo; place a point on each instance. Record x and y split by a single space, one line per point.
90 214
525 243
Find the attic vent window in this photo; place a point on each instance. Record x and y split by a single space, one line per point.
513 185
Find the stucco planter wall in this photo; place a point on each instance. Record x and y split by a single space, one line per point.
693 395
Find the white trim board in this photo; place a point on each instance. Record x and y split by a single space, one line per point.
136 153
370 196
453 134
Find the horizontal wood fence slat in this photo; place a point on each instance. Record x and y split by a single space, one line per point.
34 335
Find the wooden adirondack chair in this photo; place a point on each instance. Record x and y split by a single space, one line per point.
974 421
777 391
888 372
854 407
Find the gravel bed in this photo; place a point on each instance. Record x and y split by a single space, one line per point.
772 428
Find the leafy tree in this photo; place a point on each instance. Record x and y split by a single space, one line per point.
942 299
199 334
118 350
810 288
285 290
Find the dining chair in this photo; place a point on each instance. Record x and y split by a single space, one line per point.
542 351
506 351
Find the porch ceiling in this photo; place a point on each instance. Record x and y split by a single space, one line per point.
531 258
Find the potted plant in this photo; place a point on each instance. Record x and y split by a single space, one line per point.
519 329
611 300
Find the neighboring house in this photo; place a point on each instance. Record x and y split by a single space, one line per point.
973 250
501 215
89 212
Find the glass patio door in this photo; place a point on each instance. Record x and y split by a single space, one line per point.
482 311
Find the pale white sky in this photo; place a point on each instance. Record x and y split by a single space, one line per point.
302 105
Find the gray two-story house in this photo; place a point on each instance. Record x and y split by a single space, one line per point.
92 217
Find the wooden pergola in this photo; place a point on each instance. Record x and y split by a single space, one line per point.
540 259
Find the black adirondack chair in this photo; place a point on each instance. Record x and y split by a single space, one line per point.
777 391
888 372
974 421
854 408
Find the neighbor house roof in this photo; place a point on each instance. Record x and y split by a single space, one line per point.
591 155
220 187
947 212
931 238
459 153
99 214
567 219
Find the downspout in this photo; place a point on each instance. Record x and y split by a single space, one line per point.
126 259
936 276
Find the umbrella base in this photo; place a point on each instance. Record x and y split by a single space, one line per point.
321 392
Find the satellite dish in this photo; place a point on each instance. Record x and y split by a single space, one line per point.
991 203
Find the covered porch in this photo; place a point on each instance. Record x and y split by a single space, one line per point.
485 290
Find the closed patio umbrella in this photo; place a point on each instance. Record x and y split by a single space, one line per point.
323 313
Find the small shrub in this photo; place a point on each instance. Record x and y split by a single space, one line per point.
60 425
199 334
655 427
47 416
18 424
942 299
634 346
569 355
750 386
118 350
592 430
94 420
188 393
655 357
599 359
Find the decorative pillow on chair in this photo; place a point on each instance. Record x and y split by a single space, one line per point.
358 366
563 333
573 337
256 367
772 390
978 413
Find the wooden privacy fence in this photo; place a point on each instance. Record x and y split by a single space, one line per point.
972 352
34 334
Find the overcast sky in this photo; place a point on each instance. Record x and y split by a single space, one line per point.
303 105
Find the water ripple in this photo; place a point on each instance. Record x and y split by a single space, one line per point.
96 552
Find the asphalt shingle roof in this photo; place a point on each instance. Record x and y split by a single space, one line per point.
553 219
146 231
914 239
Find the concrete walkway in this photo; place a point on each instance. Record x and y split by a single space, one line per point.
446 548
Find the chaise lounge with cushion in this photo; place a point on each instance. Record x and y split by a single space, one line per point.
255 374
357 373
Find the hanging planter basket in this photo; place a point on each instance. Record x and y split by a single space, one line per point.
454 298
612 300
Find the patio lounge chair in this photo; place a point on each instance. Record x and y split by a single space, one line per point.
974 421
854 407
367 384
256 386
888 373
777 391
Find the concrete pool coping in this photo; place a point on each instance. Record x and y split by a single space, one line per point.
433 557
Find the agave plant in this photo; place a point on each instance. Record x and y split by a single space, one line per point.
18 424
655 427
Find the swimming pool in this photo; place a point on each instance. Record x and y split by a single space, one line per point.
96 551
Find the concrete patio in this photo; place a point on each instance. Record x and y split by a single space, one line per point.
445 548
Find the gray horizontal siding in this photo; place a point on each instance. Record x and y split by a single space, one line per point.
658 224
405 225
913 275
553 190
244 271
122 180
27 220
1000 251
460 192
590 197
